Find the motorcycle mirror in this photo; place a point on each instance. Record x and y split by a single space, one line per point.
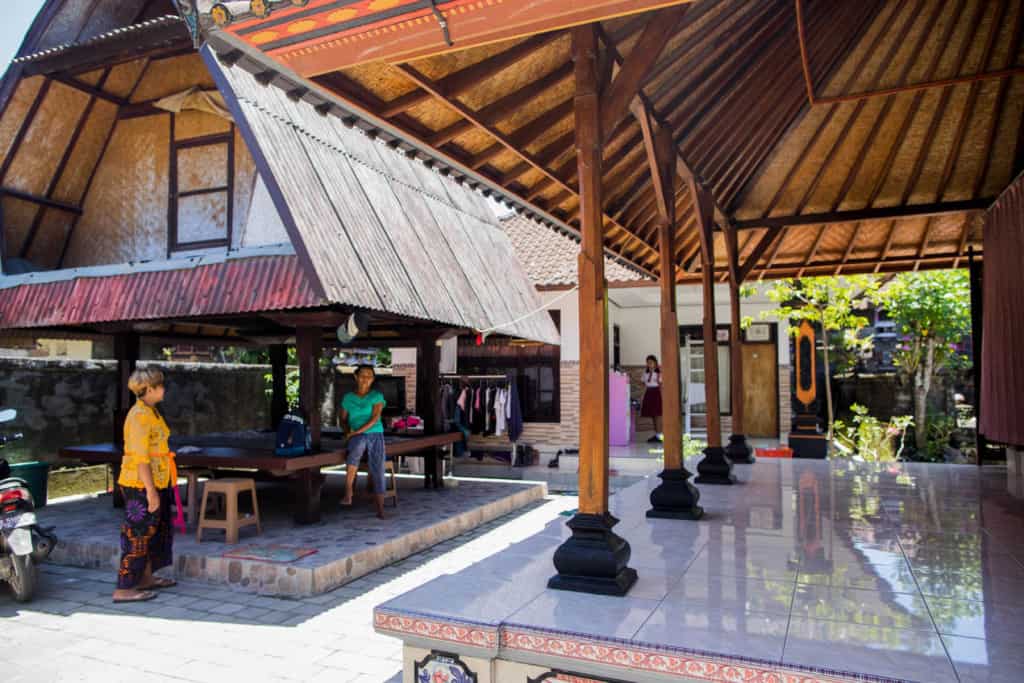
8 415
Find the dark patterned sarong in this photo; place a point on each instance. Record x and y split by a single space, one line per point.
145 536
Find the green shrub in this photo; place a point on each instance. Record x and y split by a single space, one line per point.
868 438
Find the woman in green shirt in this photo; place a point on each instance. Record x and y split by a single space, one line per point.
360 419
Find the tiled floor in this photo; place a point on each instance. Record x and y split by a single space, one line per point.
906 571
349 542
207 634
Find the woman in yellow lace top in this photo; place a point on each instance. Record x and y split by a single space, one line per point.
147 474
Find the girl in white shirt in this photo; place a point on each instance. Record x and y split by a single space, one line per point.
651 404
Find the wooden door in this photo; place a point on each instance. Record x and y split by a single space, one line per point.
761 390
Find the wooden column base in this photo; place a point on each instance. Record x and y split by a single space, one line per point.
593 559
739 451
675 497
715 468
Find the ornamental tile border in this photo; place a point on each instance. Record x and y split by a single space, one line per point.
460 632
698 665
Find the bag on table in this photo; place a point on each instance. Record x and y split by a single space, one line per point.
293 437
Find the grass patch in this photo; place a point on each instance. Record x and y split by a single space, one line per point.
75 481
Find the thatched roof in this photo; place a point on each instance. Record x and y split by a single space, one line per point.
880 182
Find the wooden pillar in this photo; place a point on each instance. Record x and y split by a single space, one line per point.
594 558
738 450
428 396
309 345
126 351
715 468
675 497
279 383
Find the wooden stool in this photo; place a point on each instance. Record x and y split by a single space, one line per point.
192 493
389 491
230 489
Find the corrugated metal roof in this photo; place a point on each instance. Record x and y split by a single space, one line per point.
381 230
137 32
261 283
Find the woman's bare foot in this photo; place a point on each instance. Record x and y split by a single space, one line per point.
347 500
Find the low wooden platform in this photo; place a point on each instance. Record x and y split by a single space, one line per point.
303 471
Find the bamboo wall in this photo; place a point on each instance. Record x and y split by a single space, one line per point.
79 150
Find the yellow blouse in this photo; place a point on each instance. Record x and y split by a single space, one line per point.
145 443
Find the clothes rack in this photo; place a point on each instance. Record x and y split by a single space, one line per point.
488 380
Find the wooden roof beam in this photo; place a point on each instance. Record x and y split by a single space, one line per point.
499 109
682 167
815 100
881 213
461 81
769 238
635 70
502 138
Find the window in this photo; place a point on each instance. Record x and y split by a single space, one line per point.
201 192
692 336
534 366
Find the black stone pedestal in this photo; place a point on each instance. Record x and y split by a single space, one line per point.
715 468
675 497
739 451
593 559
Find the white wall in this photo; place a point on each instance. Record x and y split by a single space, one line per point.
637 312
568 305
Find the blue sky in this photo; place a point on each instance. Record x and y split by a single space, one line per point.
14 22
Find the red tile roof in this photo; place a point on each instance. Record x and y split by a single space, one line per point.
550 257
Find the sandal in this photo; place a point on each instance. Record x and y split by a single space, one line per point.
159 583
142 596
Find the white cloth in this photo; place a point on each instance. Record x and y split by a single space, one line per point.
652 378
500 404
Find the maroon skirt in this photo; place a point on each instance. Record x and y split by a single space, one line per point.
651 404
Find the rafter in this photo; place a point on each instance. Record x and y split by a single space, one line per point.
464 111
683 168
457 83
637 68
760 248
882 213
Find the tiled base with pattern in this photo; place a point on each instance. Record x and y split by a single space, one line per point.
621 654
462 633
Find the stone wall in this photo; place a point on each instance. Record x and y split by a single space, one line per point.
72 402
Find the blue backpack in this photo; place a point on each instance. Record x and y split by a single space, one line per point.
293 438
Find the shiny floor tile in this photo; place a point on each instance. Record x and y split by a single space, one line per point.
773 596
973 619
694 627
898 570
855 606
985 661
902 654
583 613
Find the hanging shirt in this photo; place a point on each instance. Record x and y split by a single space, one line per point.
652 378
500 416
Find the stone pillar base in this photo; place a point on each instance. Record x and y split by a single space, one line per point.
739 451
593 559
715 468
675 497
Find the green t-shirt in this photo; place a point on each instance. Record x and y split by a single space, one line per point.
360 410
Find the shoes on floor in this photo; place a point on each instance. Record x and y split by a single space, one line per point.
654 439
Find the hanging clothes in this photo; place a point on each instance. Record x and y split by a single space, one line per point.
515 412
477 417
500 406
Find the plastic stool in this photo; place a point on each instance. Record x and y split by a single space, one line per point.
230 489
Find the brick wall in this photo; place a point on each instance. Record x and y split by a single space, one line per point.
408 371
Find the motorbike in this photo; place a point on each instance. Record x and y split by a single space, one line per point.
23 543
